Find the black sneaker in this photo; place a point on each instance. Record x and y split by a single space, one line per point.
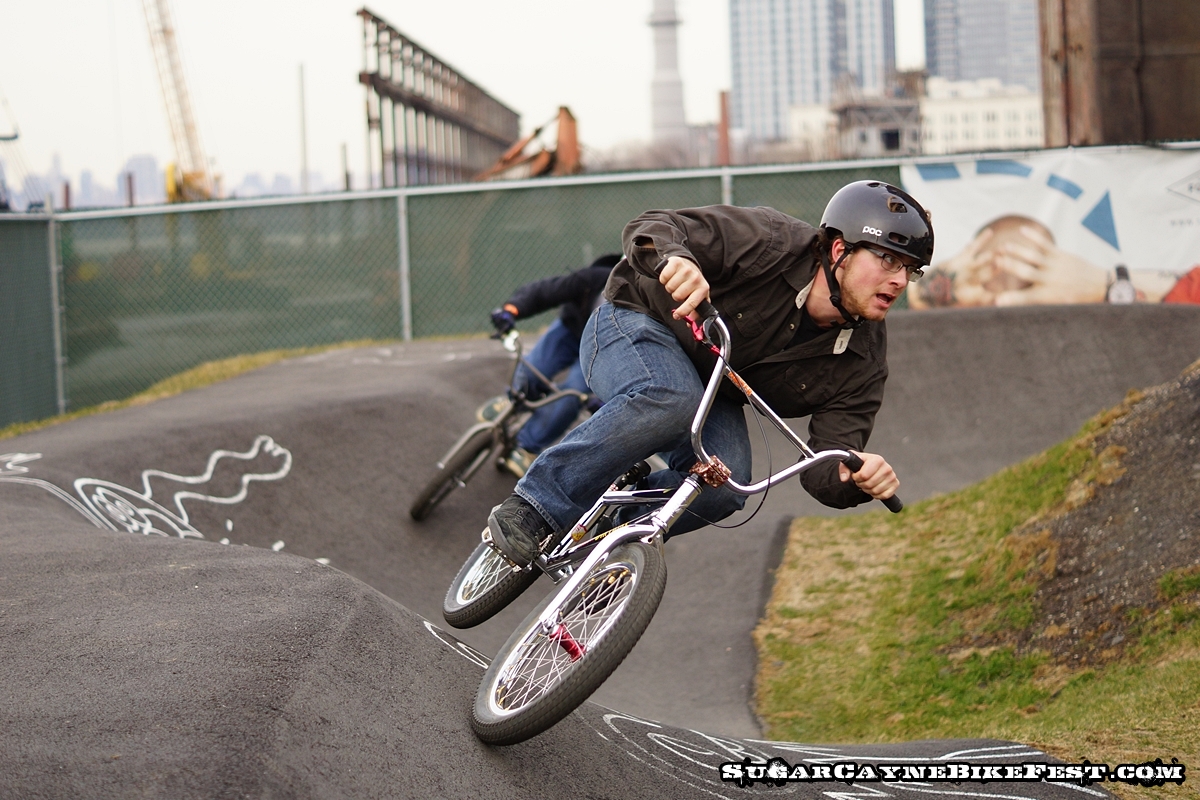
519 530
493 408
518 461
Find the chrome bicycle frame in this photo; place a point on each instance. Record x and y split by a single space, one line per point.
575 556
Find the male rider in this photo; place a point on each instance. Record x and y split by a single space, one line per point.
805 308
576 295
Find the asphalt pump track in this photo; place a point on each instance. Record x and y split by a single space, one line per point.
283 637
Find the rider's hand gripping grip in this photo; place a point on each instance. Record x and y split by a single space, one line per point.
854 463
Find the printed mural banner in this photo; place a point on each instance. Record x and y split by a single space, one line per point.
1061 226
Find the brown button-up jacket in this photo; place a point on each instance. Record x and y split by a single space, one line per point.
757 261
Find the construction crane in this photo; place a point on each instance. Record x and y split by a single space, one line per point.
188 178
11 156
517 164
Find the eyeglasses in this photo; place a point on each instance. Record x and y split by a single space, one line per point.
892 262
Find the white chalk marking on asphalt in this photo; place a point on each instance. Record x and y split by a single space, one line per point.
116 507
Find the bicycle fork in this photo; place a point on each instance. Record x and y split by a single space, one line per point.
650 532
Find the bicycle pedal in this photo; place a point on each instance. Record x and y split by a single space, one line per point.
486 536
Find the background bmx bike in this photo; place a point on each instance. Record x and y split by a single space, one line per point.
490 440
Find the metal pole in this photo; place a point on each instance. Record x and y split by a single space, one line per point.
56 308
367 99
726 186
303 139
406 332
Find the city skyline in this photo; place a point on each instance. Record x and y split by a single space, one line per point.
81 83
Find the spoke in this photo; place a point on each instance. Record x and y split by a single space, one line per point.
542 661
488 572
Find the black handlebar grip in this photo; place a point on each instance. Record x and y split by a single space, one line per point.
706 310
853 462
636 473
893 503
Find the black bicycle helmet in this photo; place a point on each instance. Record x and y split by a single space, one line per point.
873 212
877 213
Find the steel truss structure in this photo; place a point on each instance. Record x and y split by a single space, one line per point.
426 123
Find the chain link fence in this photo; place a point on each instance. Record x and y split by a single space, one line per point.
29 383
470 250
148 293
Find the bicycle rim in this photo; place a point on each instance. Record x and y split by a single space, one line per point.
485 574
542 674
545 658
484 585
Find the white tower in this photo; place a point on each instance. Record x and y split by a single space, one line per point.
667 120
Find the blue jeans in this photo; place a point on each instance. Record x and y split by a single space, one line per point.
557 350
650 391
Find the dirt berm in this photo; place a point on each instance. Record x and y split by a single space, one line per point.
1126 545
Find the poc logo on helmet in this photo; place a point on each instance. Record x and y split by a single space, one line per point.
872 231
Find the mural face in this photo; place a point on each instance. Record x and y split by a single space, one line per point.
1054 228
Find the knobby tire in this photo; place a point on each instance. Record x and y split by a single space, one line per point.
532 682
483 586
445 479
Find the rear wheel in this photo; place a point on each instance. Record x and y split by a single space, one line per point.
484 585
543 673
451 474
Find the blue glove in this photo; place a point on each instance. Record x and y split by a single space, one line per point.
503 320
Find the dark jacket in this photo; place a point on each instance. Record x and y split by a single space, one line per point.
756 261
578 293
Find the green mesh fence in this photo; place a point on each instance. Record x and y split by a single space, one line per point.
28 384
151 292
150 295
803 194
470 250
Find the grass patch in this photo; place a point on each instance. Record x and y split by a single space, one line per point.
1179 582
204 374
877 626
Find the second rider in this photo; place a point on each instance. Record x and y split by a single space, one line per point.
805 308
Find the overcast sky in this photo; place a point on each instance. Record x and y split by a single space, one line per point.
80 80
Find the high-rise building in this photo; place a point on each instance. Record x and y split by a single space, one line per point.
788 53
149 184
966 40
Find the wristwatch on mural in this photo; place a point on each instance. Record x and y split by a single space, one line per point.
1121 290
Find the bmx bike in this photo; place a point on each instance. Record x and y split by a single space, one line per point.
491 440
611 575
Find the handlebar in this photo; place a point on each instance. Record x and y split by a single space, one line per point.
893 503
713 324
509 339
706 311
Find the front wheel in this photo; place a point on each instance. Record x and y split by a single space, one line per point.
462 463
544 672
485 585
